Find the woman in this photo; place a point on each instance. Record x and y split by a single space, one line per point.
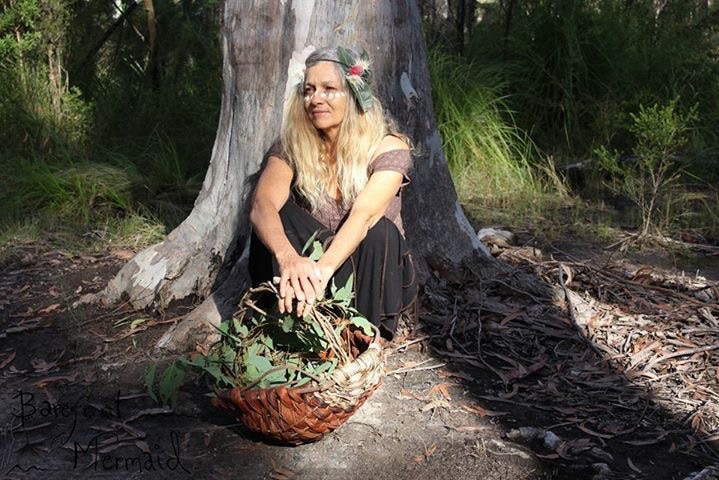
337 173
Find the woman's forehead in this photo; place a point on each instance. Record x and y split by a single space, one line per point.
322 73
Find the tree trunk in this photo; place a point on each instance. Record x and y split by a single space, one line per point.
152 68
207 253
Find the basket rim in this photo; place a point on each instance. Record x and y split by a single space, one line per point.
316 387
318 384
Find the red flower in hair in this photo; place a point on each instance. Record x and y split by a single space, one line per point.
355 70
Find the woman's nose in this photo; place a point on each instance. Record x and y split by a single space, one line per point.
317 98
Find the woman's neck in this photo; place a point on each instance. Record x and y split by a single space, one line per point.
330 153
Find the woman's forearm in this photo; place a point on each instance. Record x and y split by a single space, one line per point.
298 276
266 222
368 209
348 238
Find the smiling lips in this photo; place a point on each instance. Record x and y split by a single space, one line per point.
316 113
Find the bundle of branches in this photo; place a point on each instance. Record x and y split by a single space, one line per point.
262 348
293 379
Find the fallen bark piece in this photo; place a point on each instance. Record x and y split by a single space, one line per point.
709 473
549 438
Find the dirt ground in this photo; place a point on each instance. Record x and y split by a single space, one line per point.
74 405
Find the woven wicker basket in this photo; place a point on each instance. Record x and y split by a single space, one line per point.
296 415
301 415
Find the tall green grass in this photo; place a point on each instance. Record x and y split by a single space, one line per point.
77 192
102 146
577 70
493 163
63 171
34 120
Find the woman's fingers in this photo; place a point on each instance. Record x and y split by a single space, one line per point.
301 279
315 284
304 299
284 283
309 290
287 301
284 304
302 308
297 288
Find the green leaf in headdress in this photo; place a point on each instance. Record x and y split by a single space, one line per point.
345 57
358 84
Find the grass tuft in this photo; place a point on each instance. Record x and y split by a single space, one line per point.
490 158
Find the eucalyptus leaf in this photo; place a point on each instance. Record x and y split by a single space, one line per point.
302 381
253 349
224 329
214 371
170 383
227 354
344 295
258 363
310 241
345 57
317 251
267 342
318 331
150 380
287 323
325 366
364 324
201 361
240 328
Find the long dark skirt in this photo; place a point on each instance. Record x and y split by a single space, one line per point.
384 276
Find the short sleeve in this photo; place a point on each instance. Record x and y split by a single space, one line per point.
393 160
276 150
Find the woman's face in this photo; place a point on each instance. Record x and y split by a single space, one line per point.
325 98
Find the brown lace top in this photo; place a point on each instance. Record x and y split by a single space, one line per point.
331 213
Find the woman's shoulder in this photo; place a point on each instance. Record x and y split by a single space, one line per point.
393 153
277 150
390 143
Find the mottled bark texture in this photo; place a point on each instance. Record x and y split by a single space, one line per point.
206 256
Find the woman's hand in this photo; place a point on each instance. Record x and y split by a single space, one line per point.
325 273
300 279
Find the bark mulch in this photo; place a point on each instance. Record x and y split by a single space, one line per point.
614 360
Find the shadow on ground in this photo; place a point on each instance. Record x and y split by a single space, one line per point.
515 389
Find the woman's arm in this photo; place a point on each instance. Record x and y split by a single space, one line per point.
367 210
298 275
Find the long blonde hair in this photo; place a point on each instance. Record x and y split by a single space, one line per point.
358 138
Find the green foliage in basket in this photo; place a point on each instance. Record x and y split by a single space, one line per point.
263 348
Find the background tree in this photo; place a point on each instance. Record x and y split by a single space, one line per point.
206 256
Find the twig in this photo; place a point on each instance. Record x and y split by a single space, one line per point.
570 306
681 353
149 411
408 343
254 307
416 369
479 338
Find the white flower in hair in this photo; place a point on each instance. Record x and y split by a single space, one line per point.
357 73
